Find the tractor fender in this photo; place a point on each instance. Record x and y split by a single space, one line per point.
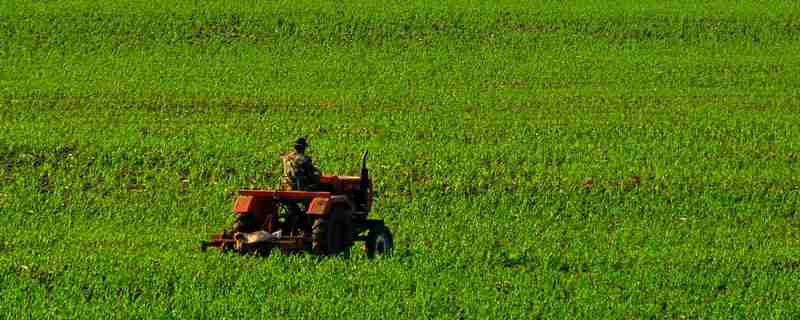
342 200
321 206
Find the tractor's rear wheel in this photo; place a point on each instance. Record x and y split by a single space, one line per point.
318 235
334 235
379 241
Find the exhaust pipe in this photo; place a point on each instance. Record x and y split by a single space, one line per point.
364 172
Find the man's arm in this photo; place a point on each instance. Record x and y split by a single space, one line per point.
311 170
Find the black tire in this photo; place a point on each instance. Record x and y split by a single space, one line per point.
334 235
379 241
318 235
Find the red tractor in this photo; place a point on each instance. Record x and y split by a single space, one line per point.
327 220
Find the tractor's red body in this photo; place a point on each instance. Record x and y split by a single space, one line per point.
327 220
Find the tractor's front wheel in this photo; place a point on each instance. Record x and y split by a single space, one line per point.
379 241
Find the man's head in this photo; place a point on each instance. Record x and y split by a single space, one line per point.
300 144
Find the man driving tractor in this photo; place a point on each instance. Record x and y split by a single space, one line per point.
299 173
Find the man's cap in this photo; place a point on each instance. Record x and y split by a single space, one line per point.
301 142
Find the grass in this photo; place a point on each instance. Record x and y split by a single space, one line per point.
532 159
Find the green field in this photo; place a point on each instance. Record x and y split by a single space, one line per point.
533 159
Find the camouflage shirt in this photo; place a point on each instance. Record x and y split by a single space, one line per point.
298 171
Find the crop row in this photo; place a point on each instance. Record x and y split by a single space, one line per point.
51 27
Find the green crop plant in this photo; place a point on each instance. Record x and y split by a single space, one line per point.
533 159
